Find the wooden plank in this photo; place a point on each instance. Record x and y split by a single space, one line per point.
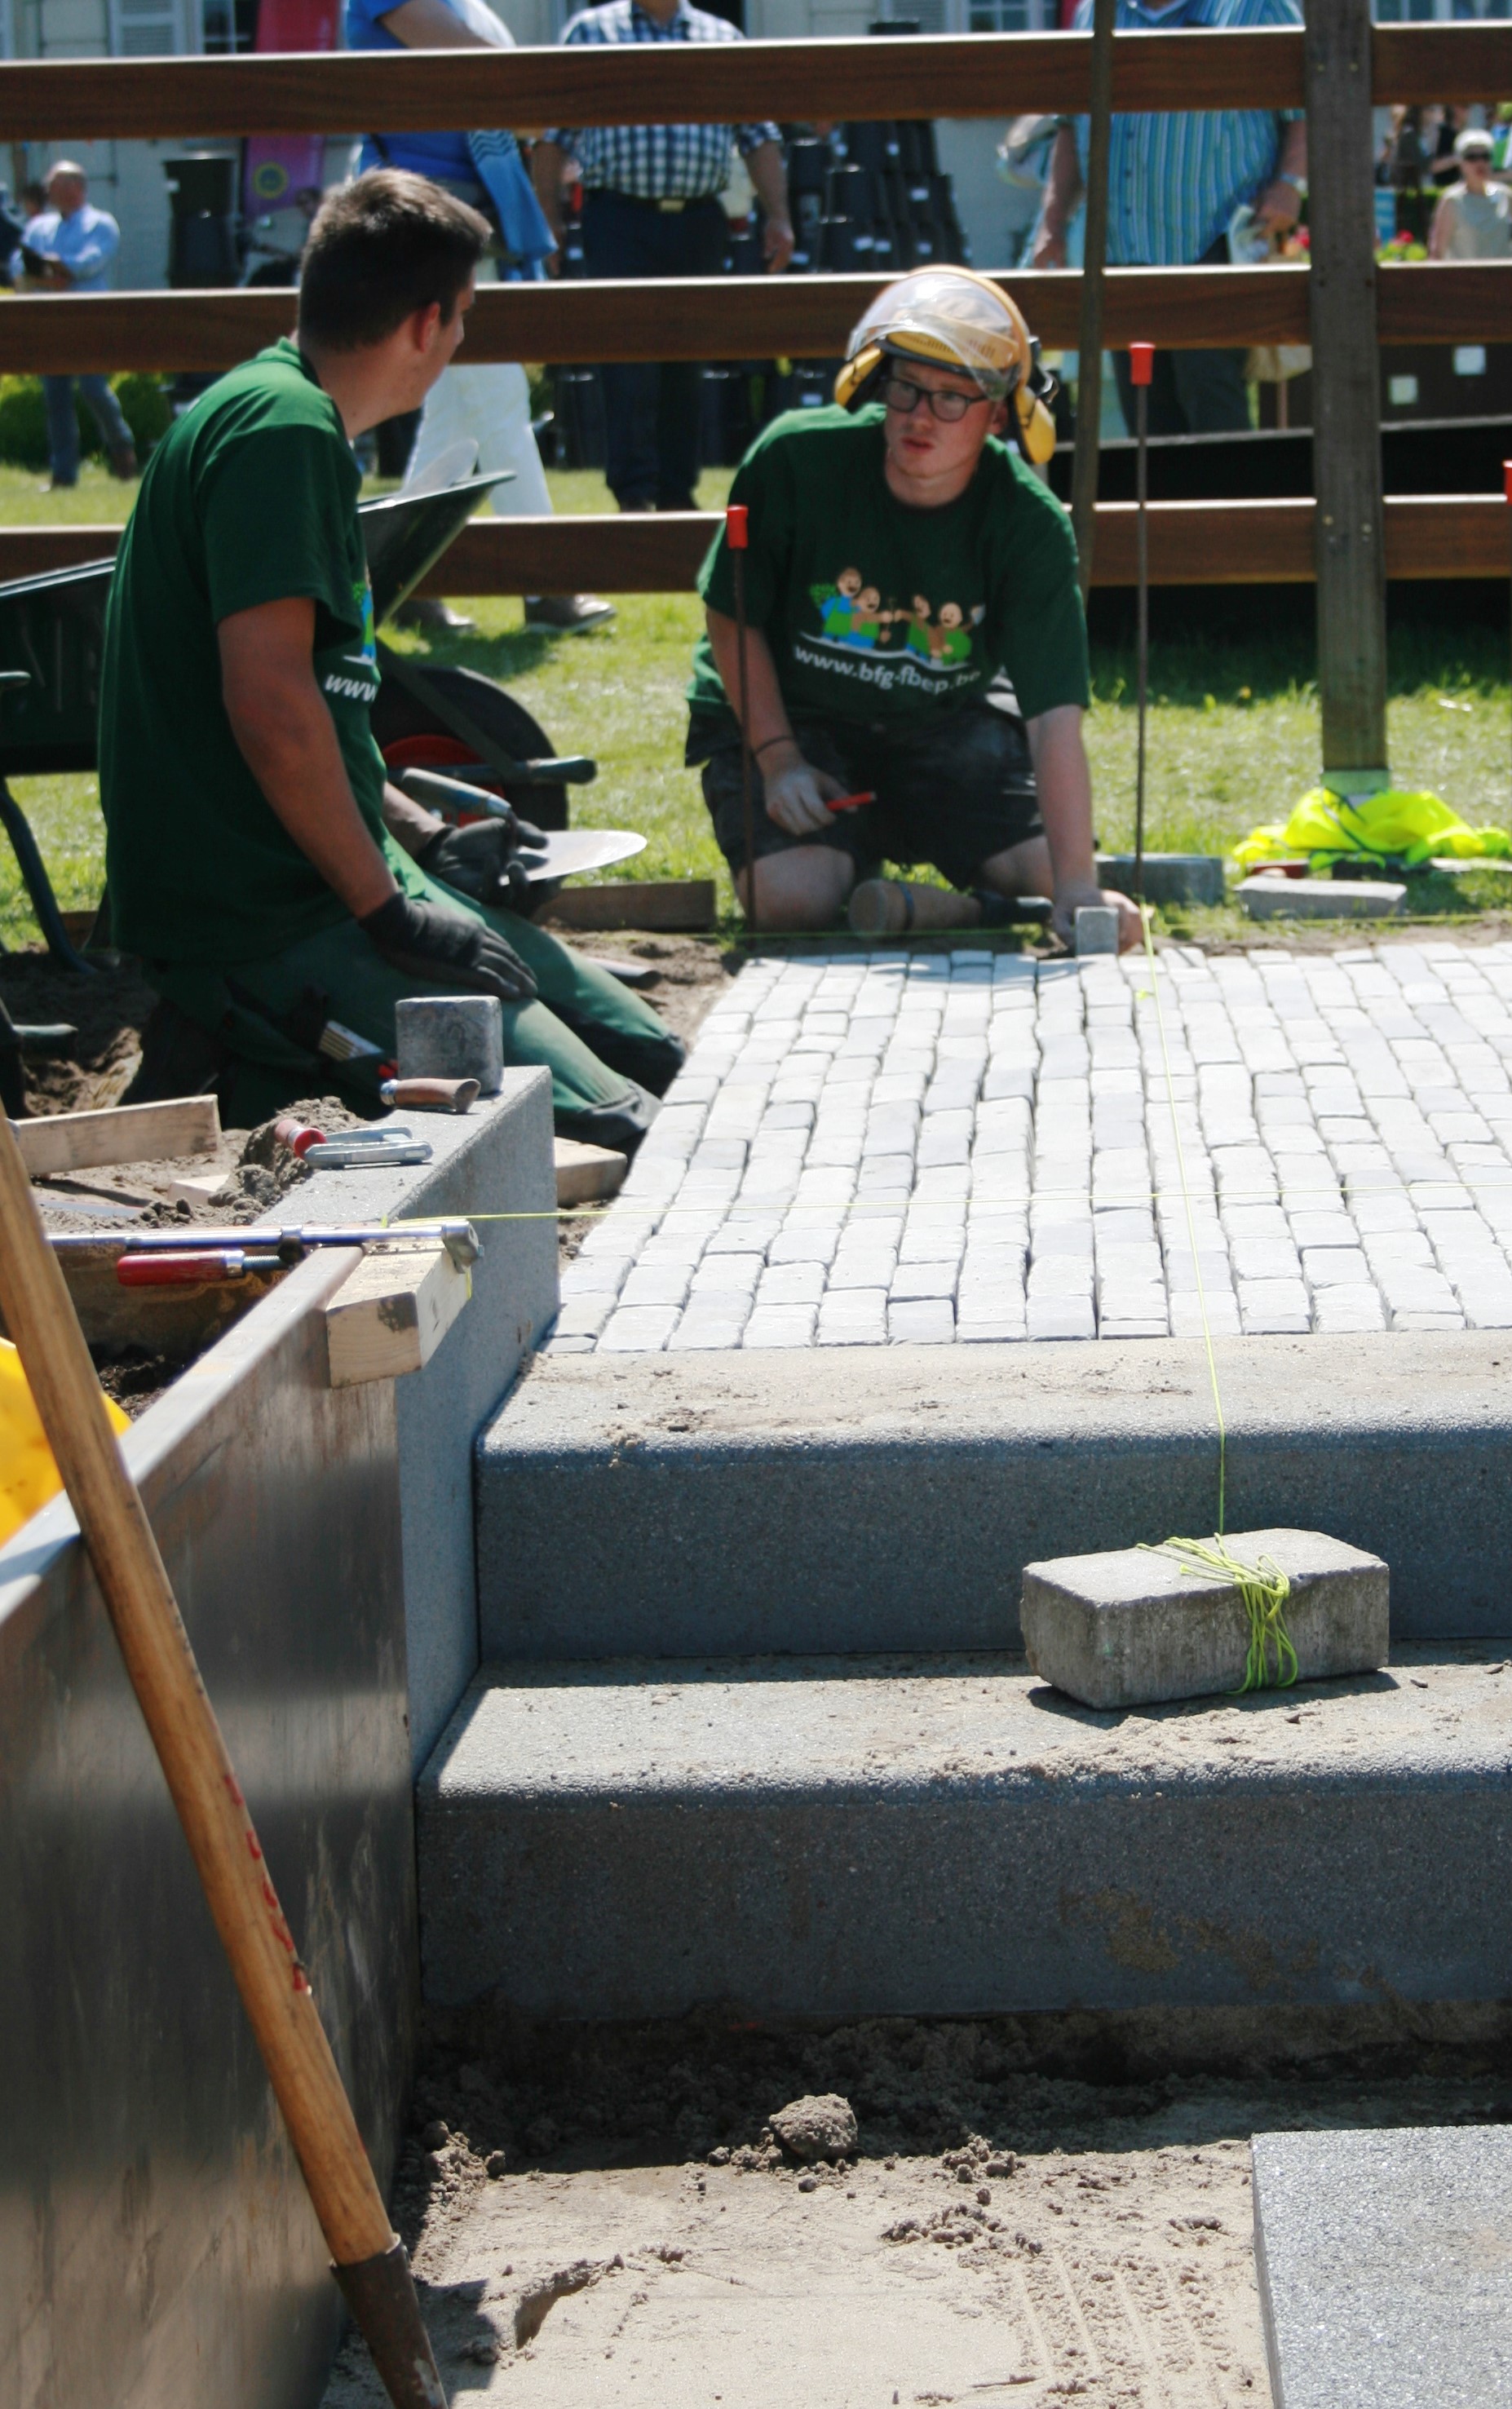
976 75
64 1141
693 318
794 317
1422 63
1448 301
1447 535
685 903
1348 533
391 1314
588 1175
1192 544
31 551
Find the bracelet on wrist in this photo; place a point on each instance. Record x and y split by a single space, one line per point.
758 750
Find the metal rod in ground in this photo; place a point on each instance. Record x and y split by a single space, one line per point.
738 537
1140 370
1506 480
370 2262
1089 336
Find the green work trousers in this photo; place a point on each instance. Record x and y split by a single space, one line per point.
247 1008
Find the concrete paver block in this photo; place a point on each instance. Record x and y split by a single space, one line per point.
1136 1626
1382 2264
451 1037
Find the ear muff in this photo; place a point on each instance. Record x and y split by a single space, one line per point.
1036 426
856 378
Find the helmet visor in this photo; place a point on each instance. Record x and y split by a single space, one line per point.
941 316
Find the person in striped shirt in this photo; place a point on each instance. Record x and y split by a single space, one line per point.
652 208
1174 182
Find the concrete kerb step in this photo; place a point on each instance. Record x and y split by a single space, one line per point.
888 1499
872 1836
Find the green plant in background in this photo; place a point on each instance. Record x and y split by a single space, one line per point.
23 431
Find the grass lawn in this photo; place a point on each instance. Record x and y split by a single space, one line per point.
1233 732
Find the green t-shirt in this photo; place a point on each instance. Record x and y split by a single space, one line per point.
878 611
251 497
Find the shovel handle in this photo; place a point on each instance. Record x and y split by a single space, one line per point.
239 1888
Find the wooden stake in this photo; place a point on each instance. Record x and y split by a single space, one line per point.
1094 258
1350 539
239 1889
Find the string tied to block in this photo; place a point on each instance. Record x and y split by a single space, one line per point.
1271 1660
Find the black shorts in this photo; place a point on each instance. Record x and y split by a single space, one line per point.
953 793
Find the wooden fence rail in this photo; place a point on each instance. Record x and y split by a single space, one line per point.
1339 68
762 317
1192 544
974 75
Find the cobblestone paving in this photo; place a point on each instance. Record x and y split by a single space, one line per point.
940 1148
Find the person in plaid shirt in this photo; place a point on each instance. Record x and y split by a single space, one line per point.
652 208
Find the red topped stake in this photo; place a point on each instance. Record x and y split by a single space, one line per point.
1506 474
1141 363
738 527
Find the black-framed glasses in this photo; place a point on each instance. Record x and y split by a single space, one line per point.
901 395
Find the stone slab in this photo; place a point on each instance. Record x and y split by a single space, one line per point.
1168 878
875 1836
744 1504
1383 2263
1134 1625
1320 898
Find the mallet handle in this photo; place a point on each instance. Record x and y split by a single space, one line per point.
138 1597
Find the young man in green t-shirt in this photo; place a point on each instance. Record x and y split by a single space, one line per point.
277 890
916 629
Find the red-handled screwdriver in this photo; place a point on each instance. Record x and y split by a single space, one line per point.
851 802
205 1269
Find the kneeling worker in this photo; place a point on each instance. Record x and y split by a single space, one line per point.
906 565
280 895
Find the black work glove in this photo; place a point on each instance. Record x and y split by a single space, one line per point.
485 860
439 947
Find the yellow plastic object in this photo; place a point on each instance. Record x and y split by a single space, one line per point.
28 1476
1393 826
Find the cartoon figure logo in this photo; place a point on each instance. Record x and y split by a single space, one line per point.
836 605
853 618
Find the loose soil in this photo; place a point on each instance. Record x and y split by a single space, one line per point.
1035 2210
109 1011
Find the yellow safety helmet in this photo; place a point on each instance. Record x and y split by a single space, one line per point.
955 319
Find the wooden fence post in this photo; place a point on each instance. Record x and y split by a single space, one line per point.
1346 437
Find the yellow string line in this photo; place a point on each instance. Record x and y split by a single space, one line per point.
1120 1200
1146 915
1263 1589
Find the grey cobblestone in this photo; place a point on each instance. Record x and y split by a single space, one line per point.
972 1148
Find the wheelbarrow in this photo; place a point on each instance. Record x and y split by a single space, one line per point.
51 641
